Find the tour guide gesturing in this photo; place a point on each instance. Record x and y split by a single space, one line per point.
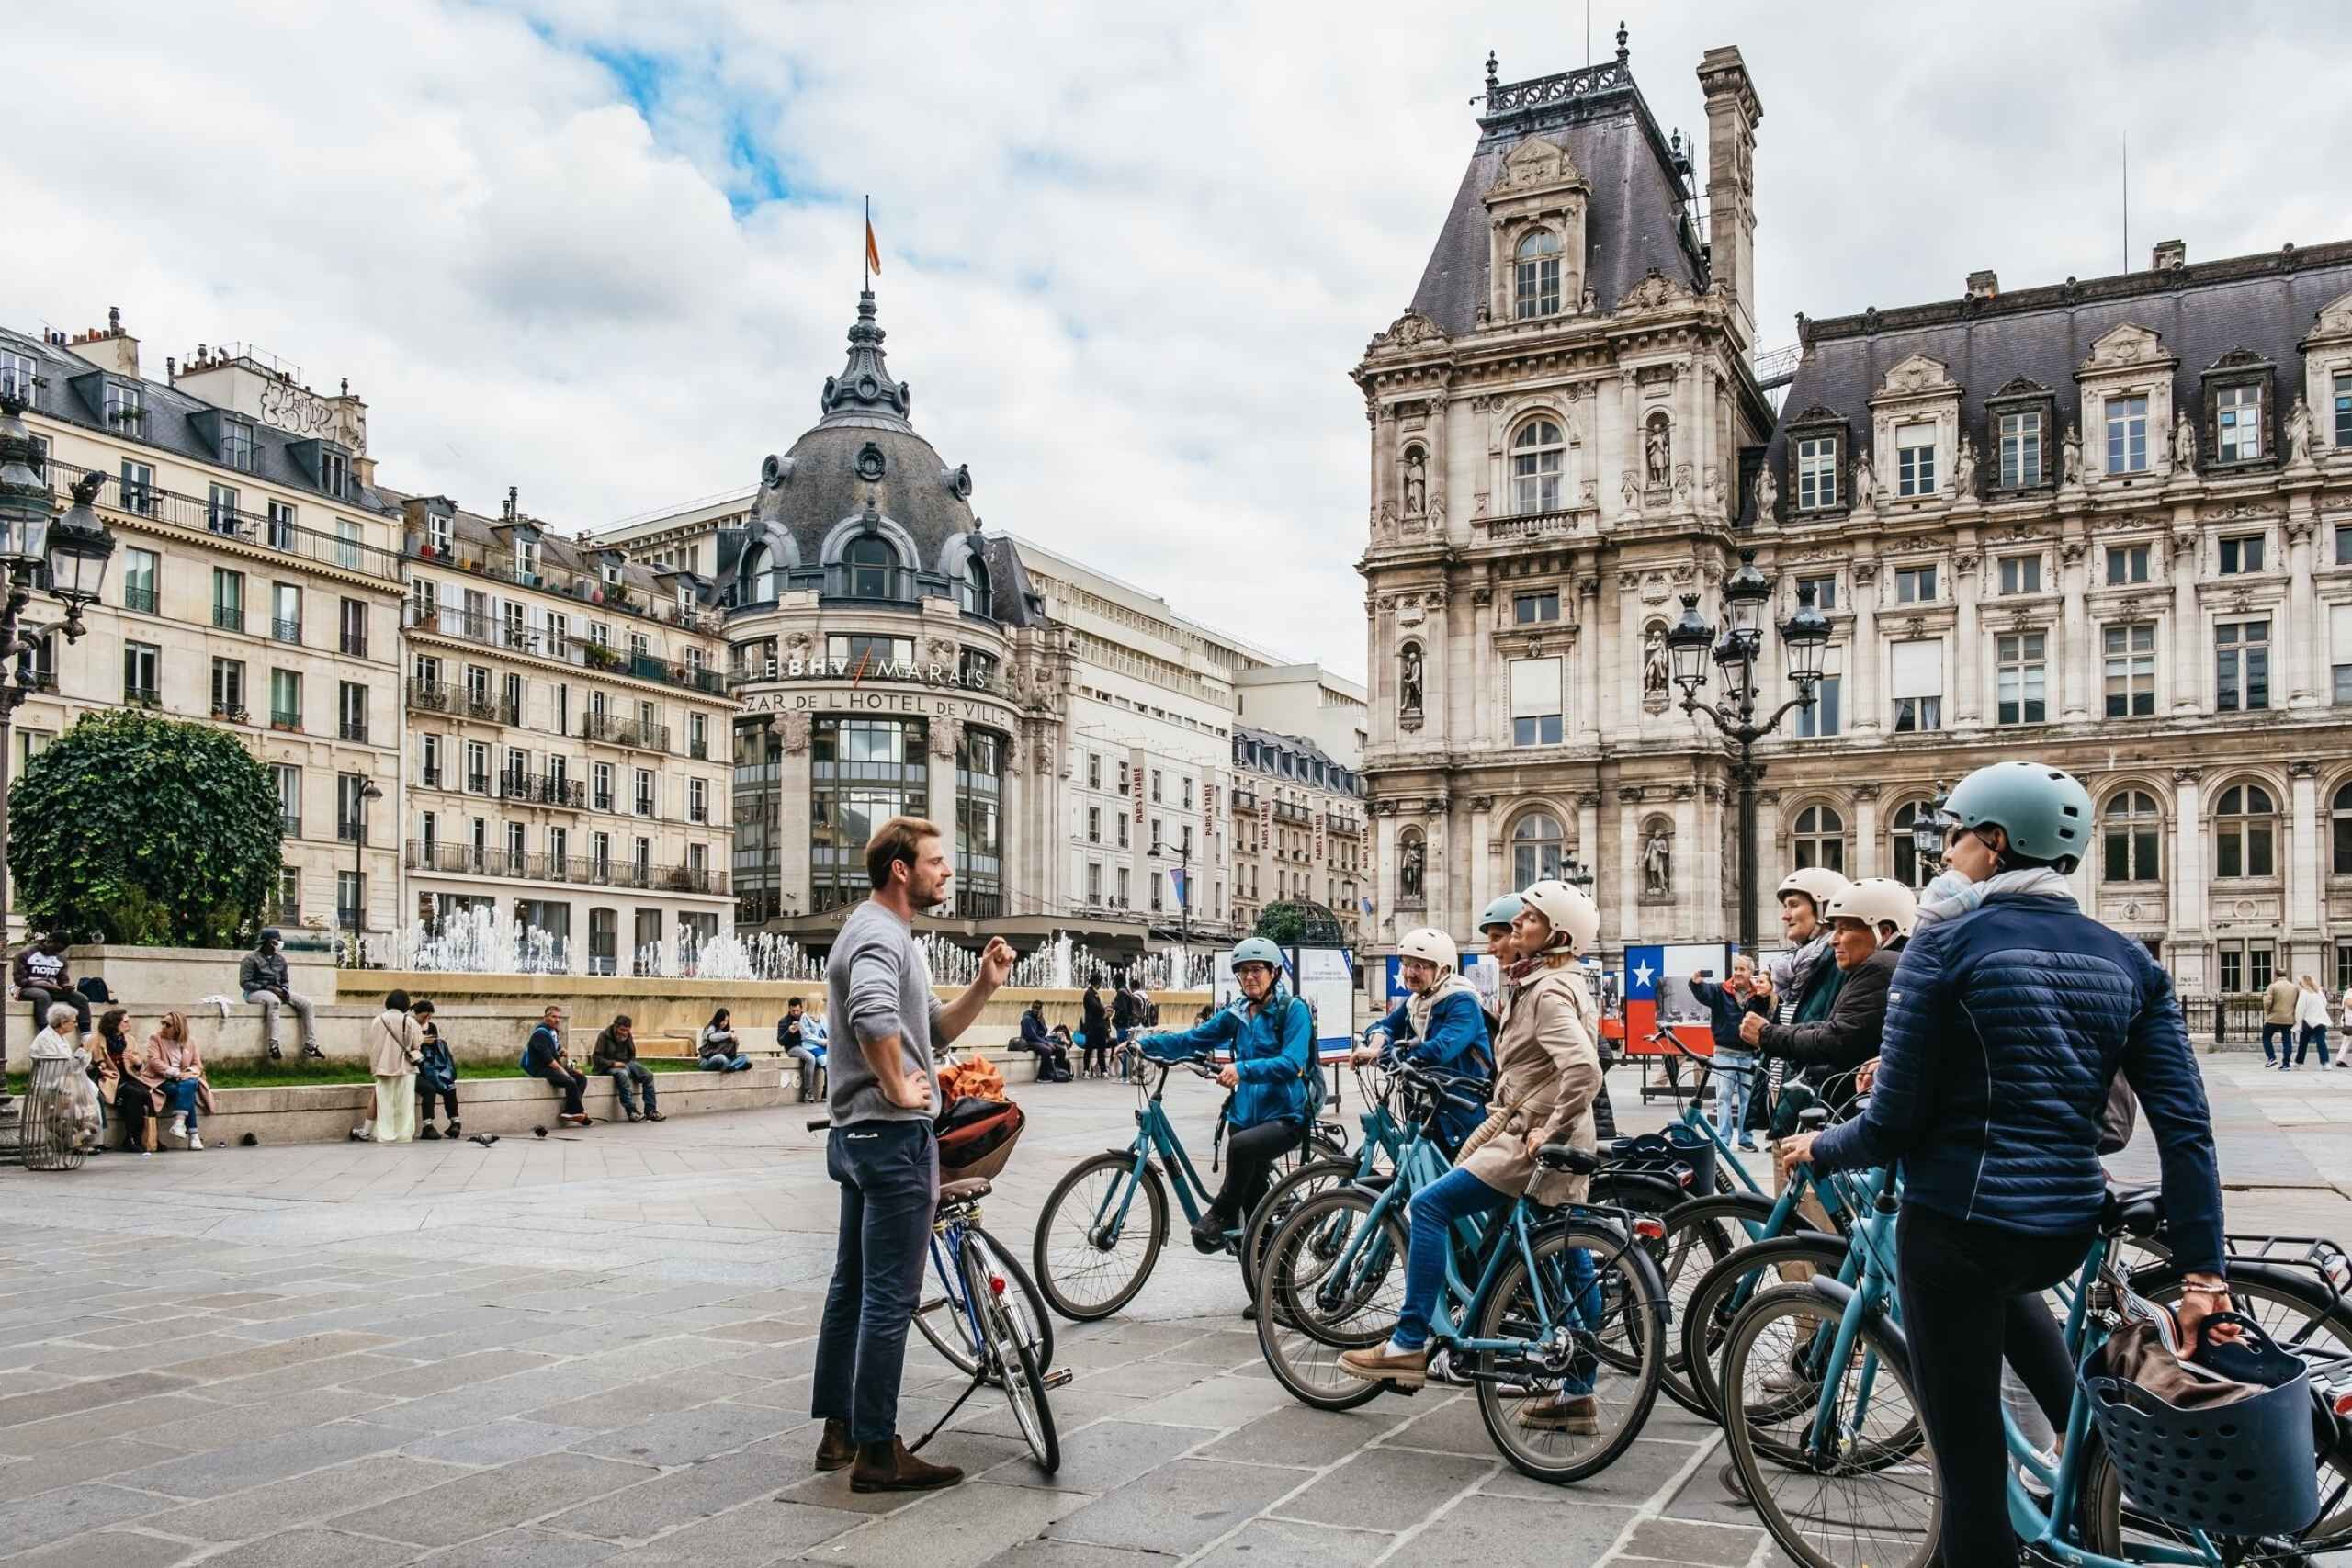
882 1152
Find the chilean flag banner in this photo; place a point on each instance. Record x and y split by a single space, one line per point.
1644 967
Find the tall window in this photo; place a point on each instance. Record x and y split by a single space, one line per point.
286 612
1535 849
1535 705
1915 459
228 599
2023 678
351 710
1825 592
974 590
2339 643
2237 423
16 375
2130 834
141 575
1909 869
759 572
1822 717
2342 400
285 699
281 524
142 673
2240 553
1817 473
2020 574
288 780
1538 290
2131 669
979 826
2244 829
869 561
1527 609
2339 812
2127 435
350 807
2127 563
2020 450
863 773
2242 666
1821 839
138 487
228 689
220 508
1536 452
1916 677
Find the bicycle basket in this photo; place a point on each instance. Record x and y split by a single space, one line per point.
1662 1152
977 1137
2209 1453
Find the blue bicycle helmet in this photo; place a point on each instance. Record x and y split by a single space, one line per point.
1502 912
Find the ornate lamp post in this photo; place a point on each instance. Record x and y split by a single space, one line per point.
1928 832
369 790
1692 642
73 552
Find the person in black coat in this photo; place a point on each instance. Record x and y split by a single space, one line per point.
1096 1024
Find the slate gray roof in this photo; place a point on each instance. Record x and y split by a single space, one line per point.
2266 303
1635 220
1302 751
170 425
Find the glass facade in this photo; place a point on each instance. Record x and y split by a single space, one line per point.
979 826
863 771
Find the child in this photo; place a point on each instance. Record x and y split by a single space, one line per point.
436 1078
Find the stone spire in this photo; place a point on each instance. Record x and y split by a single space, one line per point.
863 393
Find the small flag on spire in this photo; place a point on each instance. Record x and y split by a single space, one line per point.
873 252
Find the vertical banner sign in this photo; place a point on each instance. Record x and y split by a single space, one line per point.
1319 838
1135 781
1644 969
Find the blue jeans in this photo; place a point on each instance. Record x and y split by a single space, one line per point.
1733 1086
2314 1034
719 1062
2286 1034
179 1100
889 1173
1434 1210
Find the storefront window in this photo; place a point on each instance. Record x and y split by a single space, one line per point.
863 771
759 755
980 799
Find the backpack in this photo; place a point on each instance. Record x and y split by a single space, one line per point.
1316 1090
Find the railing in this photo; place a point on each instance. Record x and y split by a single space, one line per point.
641 736
1540 524
500 566
229 617
290 824
285 911
231 713
698 813
142 696
354 643
476 783
430 777
1587 83
289 722
348 831
428 696
1284 811
199 515
1245 800
698 750
571 649
463 859
353 729
140 599
543 789
286 631
1340 824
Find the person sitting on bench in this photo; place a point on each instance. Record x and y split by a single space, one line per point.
1051 1048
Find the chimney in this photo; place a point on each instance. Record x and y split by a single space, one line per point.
2170 255
510 513
1733 111
1984 284
108 348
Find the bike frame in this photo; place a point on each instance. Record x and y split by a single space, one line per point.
946 1260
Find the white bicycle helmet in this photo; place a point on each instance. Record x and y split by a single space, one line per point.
1431 946
1815 881
1570 911
1875 901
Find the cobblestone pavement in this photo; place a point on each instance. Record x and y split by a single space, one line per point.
595 1348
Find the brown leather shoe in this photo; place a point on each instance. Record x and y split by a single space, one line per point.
834 1450
1377 1364
1577 1414
887 1467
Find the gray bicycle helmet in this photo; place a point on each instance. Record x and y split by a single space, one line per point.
2045 813
1502 912
1257 950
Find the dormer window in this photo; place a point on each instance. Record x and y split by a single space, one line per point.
609 572
869 560
237 444
973 591
126 406
1538 283
2020 450
437 527
1536 454
526 558
335 472
2020 421
1817 473
2237 423
2127 435
1915 459
16 375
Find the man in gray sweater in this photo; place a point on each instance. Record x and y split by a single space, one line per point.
885 1091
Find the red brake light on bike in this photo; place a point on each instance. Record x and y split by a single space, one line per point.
996 1284
1647 1229
2343 1404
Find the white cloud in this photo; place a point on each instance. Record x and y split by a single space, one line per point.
1130 253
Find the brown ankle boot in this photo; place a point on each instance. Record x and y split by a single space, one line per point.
887 1467
834 1450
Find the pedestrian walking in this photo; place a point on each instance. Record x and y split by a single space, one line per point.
1094 1023
2311 1023
2280 1003
883 1153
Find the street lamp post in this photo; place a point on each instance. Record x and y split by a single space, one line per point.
1692 642
369 790
1183 852
73 549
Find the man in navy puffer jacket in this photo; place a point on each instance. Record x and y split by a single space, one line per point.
2004 1028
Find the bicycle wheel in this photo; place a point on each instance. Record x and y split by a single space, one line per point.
1725 1288
942 1320
1092 1259
1871 1502
1333 1281
1010 1355
1699 1234
1315 1175
1593 1313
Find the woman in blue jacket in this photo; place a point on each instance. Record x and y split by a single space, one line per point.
1439 1027
2005 1026
1270 1033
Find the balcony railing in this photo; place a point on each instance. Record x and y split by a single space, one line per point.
611 728
286 631
353 729
543 789
571 649
428 696
348 831
283 719
354 643
142 696
290 825
231 713
229 617
1284 811
199 515
285 911
463 859
501 566
1245 800
430 777
698 750
140 599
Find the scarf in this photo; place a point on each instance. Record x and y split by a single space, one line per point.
1419 1006
1792 970
1951 896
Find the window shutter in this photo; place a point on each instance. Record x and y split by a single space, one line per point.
2339 633
1917 669
1534 687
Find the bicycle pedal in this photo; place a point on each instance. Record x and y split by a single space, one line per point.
1059 1377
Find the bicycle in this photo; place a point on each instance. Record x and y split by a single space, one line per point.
1089 1254
993 1342
1559 1302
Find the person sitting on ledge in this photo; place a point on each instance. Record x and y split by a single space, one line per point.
262 980
437 1077
116 1061
1050 1046
616 1053
793 1037
717 1045
173 1066
543 1057
39 975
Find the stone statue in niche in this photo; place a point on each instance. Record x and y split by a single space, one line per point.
1963 471
1658 864
1416 482
2070 458
1767 494
2299 431
1658 449
1408 869
1865 481
2183 444
1654 672
1408 680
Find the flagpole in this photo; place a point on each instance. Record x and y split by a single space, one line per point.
864 277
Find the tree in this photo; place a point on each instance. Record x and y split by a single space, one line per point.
1296 922
146 830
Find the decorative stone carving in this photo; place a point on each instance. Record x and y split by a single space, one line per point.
1630 491
1658 446
2183 444
1653 670
1408 330
2071 552
2186 775
1658 864
2070 458
1915 374
1653 291
1869 789
1587 799
1534 163
1481 803
1966 563
1409 679
1416 482
1409 868
1767 494
947 737
1655 590
2299 431
1865 483
1629 795
794 728
2303 768
1963 471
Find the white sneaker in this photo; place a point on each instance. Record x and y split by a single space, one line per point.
178 1132
194 1142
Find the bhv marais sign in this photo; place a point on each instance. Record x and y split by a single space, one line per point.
860 674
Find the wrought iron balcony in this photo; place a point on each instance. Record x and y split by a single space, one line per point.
140 599
290 824
229 617
464 860
569 647
1284 811
543 789
612 728
429 696
353 729
286 631
201 516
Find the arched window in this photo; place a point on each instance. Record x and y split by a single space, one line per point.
973 593
1535 850
1539 274
759 574
1821 839
1909 869
1536 452
2340 811
2129 838
869 560
2245 832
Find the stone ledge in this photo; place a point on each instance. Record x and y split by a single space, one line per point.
311 1113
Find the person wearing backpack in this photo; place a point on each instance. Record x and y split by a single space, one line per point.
1275 1077
1439 1028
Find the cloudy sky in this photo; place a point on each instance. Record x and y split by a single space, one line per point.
606 253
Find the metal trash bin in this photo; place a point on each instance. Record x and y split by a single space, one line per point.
49 1135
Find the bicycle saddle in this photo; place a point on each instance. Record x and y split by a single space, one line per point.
1567 1158
2138 1210
962 1191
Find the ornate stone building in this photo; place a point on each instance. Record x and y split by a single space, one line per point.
2107 522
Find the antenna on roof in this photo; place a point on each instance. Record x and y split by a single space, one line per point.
2127 201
